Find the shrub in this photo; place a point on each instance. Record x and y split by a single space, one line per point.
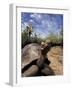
26 39
56 39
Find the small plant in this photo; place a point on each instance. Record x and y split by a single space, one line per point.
26 37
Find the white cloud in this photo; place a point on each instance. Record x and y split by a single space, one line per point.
50 26
25 23
41 33
43 24
31 21
36 16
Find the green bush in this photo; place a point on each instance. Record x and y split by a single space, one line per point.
27 39
55 38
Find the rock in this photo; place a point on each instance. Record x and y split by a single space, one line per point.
30 53
31 71
55 55
47 70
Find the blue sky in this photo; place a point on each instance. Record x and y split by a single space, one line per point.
42 24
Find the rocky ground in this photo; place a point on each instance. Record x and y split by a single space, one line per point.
34 63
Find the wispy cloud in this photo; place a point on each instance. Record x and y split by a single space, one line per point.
36 16
42 23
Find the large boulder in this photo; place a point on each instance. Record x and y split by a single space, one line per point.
55 55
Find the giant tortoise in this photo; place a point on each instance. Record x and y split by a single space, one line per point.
32 60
